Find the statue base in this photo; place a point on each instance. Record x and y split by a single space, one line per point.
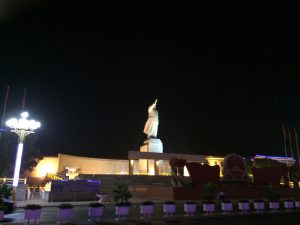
152 145
147 166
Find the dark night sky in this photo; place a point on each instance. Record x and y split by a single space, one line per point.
226 79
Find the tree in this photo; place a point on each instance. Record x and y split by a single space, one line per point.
208 192
121 192
8 151
261 163
5 191
31 155
8 146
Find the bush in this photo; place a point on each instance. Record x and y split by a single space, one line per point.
226 201
65 206
95 204
7 205
5 191
169 202
121 193
208 192
33 206
147 203
123 204
272 194
190 202
3 208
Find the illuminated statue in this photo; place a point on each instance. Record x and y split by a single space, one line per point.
151 125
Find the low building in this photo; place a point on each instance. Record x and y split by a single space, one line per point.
155 164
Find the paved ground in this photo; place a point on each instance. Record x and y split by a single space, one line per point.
49 215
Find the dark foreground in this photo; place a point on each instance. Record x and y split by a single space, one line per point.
49 216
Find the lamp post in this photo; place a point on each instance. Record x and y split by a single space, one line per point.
22 127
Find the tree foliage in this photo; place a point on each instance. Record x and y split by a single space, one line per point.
8 151
121 192
272 194
261 163
5 191
208 192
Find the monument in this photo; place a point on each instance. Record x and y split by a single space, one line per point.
152 143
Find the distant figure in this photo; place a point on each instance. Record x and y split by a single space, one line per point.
151 125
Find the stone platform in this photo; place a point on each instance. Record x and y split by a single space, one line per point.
233 191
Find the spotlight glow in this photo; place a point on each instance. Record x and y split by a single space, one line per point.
22 127
18 165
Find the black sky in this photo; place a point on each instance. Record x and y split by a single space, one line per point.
226 79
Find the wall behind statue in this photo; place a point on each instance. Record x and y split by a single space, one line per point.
93 165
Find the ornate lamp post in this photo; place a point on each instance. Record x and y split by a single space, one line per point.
22 127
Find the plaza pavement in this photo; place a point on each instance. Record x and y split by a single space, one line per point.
49 213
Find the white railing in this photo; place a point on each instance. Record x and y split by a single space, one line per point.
9 180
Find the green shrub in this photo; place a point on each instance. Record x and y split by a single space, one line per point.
5 191
272 194
190 202
208 192
226 201
123 204
95 204
169 202
147 203
65 206
121 193
33 206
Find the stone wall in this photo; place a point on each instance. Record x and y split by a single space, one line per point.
93 165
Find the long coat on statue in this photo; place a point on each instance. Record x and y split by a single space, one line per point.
151 125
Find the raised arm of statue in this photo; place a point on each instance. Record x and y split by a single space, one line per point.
151 107
151 125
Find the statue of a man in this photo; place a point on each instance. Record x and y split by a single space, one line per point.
151 125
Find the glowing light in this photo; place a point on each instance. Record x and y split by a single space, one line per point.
151 171
46 168
24 114
23 123
18 165
12 123
47 186
185 172
22 127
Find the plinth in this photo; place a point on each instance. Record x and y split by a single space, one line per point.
150 166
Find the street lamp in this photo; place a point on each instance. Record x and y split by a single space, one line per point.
22 127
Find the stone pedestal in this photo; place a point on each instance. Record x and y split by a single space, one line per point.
152 145
21 192
151 166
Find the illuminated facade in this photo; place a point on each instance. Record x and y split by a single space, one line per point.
130 166
87 165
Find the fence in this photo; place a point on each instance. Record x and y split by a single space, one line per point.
9 181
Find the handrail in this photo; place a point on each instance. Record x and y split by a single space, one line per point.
8 180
